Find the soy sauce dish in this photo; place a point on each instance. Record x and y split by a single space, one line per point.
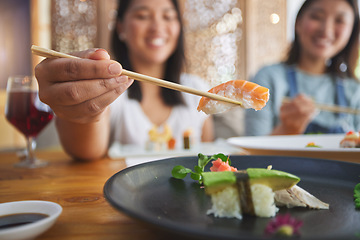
25 220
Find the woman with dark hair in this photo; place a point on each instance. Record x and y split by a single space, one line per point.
320 67
95 106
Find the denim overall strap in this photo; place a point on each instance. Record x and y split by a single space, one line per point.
291 77
340 95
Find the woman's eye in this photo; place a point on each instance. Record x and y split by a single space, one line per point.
316 16
170 16
343 19
142 16
339 21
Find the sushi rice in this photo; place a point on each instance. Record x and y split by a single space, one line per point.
226 203
263 200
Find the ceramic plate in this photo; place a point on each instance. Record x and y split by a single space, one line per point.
129 151
295 145
147 192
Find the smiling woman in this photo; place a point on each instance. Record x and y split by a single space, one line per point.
319 68
148 39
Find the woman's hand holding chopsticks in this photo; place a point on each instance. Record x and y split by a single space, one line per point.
79 90
295 115
331 108
140 77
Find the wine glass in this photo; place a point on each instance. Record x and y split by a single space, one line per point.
28 114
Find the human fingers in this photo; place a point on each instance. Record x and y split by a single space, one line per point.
305 105
304 99
296 114
75 92
291 121
48 69
301 105
66 69
90 110
93 53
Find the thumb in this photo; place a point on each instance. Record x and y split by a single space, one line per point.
99 54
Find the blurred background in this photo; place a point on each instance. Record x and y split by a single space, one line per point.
225 39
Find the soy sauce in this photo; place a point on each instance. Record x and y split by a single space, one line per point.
15 220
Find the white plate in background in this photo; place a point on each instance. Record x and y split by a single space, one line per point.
295 145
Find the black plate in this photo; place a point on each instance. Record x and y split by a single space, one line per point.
148 193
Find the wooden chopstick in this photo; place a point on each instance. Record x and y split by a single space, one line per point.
48 53
330 108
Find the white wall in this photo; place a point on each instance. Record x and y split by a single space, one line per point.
292 9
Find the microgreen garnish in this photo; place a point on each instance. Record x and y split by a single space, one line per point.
357 196
180 172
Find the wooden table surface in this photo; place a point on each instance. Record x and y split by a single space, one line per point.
78 188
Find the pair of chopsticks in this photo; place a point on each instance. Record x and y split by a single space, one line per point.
330 108
48 53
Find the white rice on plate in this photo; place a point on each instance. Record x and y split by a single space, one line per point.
263 200
226 203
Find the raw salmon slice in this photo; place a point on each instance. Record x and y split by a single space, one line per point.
251 95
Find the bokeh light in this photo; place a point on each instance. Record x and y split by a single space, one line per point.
274 18
213 32
74 25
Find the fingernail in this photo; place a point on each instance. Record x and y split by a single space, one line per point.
115 69
100 50
121 79
103 51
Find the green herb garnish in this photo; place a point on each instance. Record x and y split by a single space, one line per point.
357 196
180 172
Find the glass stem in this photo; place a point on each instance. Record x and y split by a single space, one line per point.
30 149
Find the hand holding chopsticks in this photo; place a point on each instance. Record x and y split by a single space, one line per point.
330 108
44 52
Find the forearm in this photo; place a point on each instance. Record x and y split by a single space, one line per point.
85 141
208 130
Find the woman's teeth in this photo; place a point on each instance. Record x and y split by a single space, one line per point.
322 42
157 42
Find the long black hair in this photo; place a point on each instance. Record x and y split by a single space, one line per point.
349 55
174 64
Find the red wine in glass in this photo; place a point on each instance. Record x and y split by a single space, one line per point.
27 113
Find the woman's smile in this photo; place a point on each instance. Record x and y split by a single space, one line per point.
156 41
151 30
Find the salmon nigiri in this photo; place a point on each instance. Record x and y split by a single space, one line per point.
250 94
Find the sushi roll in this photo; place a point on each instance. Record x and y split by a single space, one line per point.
248 191
254 191
351 140
227 202
250 94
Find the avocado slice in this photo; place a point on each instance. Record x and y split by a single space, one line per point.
274 179
216 181
277 180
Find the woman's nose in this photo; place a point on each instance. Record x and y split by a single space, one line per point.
156 23
327 28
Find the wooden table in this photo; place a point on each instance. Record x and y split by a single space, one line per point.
78 188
